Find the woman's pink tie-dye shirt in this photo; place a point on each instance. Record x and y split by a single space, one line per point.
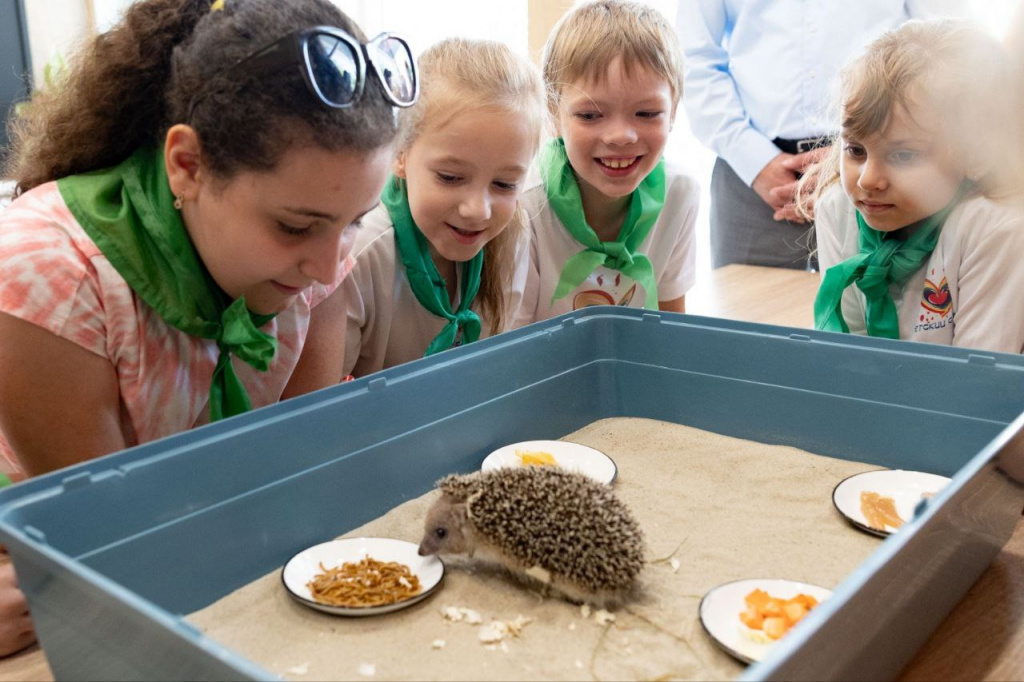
54 276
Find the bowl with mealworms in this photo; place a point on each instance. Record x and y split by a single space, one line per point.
361 576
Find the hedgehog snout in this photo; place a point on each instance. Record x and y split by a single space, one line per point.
434 540
443 531
427 546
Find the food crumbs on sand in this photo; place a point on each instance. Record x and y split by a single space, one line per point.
458 614
497 630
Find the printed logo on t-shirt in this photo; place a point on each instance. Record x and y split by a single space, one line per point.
937 302
937 299
605 286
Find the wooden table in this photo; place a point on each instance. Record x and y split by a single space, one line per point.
26 666
982 639
754 294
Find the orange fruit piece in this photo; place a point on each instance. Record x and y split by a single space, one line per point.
774 628
752 618
772 615
536 458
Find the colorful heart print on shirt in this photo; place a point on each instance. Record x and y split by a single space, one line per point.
937 299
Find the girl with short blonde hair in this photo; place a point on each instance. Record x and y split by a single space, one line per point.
918 210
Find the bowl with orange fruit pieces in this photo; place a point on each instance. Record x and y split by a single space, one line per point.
772 615
564 454
746 617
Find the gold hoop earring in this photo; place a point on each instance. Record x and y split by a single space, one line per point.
179 202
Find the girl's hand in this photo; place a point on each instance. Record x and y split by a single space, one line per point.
16 631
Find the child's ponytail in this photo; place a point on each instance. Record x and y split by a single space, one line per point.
110 102
817 179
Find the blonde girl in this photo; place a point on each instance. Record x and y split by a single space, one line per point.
918 214
610 223
434 263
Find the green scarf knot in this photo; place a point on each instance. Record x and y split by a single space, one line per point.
618 254
621 254
241 336
884 259
428 286
128 211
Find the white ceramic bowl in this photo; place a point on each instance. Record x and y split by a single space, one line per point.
302 567
906 488
569 456
721 607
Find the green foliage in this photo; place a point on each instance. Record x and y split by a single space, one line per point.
53 74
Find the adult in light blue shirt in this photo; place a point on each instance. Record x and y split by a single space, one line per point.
759 77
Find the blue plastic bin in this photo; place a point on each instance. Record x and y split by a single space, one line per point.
113 552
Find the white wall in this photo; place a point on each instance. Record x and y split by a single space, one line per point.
54 27
108 12
424 22
58 25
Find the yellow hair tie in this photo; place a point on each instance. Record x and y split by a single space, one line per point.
217 5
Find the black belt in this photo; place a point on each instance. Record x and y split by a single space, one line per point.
801 146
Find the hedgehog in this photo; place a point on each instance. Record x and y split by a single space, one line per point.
559 527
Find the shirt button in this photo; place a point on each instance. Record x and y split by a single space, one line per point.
812 28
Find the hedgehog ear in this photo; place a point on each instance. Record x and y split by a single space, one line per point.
459 488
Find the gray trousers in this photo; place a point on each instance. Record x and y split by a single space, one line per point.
743 231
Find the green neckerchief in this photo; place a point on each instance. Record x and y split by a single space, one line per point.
427 283
883 259
564 196
128 210
4 481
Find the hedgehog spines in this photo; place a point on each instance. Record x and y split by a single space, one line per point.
564 522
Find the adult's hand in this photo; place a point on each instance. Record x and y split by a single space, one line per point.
783 197
774 175
16 631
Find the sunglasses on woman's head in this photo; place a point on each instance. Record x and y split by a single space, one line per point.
334 65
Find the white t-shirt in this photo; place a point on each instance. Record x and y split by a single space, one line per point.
965 295
670 245
387 326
